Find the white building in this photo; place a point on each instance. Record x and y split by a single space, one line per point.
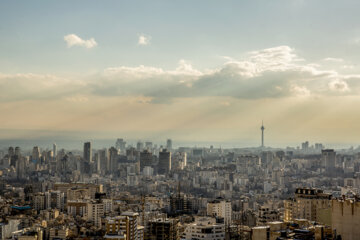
6 229
54 199
94 212
220 208
132 180
267 187
204 228
108 205
148 171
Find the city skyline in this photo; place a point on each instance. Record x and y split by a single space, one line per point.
212 75
179 120
73 143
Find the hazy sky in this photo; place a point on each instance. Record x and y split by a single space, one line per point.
190 70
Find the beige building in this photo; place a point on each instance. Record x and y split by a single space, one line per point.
220 208
345 215
204 228
59 233
281 230
77 208
260 233
35 233
140 232
310 204
28 237
78 193
126 224
92 188
39 201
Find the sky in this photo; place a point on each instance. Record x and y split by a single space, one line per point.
193 71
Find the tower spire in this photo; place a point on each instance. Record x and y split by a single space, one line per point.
262 133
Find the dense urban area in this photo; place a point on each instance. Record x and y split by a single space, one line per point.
150 191
179 120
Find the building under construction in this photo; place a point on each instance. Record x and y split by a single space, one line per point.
162 229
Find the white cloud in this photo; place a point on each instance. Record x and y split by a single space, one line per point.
270 73
348 66
74 40
338 60
300 91
144 39
277 58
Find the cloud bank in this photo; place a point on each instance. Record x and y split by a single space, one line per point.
269 73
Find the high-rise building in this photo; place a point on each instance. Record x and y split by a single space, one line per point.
11 152
310 204
120 145
345 218
7 229
163 229
87 152
48 156
266 158
132 154
164 162
108 205
113 155
38 201
20 167
328 157
131 227
18 151
97 166
145 159
305 146
220 208
116 227
179 160
77 207
139 146
54 151
126 224
180 204
104 160
35 157
148 145
205 228
318 146
54 199
95 210
169 144
13 158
